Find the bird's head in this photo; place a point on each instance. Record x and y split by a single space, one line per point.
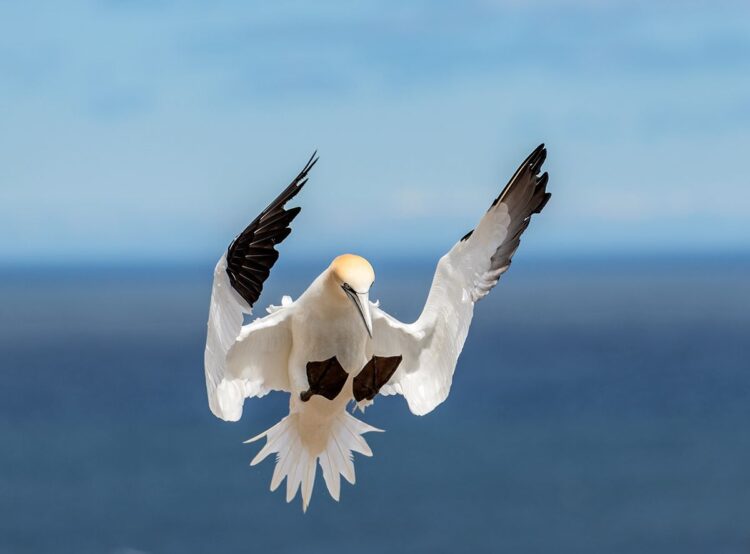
354 276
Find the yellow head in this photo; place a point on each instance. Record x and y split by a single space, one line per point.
355 276
354 271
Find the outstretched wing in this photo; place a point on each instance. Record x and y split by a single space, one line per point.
431 345
252 254
238 281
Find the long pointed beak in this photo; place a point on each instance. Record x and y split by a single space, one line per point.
362 301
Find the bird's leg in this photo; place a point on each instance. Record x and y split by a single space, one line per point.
325 378
376 373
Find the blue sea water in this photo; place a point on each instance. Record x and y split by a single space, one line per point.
598 407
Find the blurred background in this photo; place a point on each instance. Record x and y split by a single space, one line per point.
602 400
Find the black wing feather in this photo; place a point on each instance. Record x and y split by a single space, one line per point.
525 194
252 253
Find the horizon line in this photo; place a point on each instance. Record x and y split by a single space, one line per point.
567 257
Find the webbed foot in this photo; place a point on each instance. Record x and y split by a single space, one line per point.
376 373
325 378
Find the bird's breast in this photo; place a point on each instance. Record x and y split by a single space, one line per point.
320 337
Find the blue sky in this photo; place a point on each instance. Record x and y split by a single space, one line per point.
157 130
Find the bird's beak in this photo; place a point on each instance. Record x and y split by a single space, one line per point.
362 301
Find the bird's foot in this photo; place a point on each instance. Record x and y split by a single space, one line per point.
325 378
376 373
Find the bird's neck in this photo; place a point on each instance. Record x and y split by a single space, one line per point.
327 291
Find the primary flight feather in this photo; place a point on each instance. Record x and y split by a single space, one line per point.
332 346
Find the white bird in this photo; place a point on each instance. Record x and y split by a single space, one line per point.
332 346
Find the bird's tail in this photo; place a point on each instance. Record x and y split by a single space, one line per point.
298 451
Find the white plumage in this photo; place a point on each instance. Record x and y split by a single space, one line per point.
333 346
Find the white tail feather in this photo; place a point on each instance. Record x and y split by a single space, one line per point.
296 463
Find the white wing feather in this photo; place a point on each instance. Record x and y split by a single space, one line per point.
242 362
431 345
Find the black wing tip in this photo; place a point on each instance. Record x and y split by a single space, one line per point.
301 179
533 162
537 158
541 191
542 203
311 162
542 180
267 238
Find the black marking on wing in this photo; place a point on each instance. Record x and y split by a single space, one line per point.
376 373
525 194
325 378
251 255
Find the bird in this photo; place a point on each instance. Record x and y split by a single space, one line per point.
333 347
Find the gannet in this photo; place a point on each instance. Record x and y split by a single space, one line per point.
333 346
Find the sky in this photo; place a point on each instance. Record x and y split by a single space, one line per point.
144 131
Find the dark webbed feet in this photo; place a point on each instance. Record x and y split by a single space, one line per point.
376 373
325 378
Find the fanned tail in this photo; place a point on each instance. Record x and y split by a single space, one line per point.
298 455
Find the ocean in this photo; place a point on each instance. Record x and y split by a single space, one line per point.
599 406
